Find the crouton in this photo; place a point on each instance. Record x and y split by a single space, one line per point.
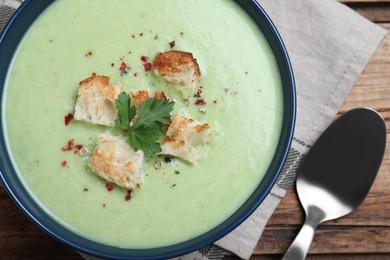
137 97
179 68
96 101
186 138
115 160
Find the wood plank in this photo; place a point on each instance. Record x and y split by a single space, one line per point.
375 11
21 239
344 240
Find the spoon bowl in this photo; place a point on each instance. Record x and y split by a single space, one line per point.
338 172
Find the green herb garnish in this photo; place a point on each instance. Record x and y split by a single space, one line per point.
147 129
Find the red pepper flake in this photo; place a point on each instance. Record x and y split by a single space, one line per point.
109 186
129 195
68 118
77 148
200 102
69 146
93 74
144 58
63 164
123 66
136 74
198 93
148 66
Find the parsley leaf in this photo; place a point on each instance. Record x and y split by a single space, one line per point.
154 110
145 138
146 132
125 109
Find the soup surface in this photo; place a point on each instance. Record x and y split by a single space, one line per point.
241 86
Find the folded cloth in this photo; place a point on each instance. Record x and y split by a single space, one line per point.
329 46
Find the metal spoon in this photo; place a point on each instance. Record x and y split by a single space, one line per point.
338 172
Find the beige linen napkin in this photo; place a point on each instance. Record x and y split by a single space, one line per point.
329 46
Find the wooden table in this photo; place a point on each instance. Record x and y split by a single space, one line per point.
364 234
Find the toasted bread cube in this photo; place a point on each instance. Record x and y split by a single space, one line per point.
96 101
115 160
179 68
186 138
137 97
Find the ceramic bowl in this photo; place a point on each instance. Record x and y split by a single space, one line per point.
9 39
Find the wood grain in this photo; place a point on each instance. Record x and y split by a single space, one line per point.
21 239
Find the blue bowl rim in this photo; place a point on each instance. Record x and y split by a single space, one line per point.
27 13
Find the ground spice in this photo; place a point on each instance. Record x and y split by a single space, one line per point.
88 54
200 102
167 159
68 118
123 66
69 146
157 165
147 66
77 148
144 58
129 195
109 186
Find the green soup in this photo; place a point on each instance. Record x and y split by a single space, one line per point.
241 84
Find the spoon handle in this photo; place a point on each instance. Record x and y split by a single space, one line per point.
299 248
